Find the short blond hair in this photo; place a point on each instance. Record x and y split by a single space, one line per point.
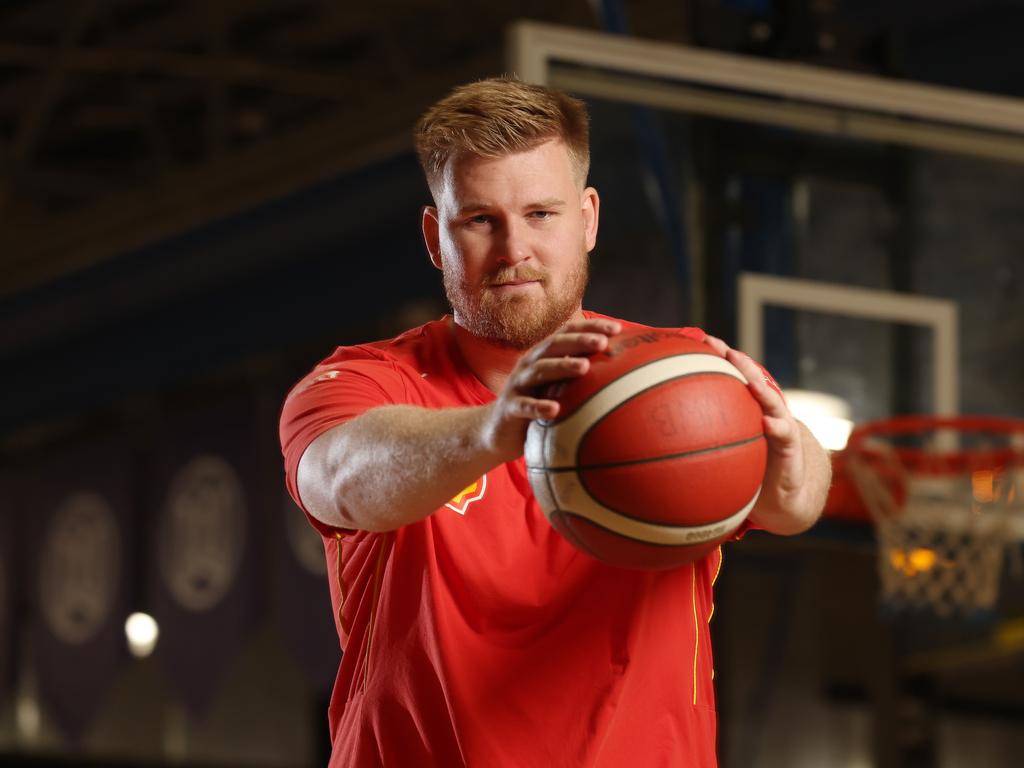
497 117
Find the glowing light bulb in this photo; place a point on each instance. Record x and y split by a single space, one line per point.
142 632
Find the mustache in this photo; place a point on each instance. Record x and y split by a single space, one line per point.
515 275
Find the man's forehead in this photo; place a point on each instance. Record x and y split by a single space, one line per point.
467 177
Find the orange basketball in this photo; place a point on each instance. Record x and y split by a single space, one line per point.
657 454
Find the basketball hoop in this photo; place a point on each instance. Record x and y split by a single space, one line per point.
947 499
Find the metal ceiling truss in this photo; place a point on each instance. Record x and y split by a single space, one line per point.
124 121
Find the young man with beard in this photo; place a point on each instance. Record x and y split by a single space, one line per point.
473 634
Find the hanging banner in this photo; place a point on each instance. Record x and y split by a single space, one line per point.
207 590
303 598
81 505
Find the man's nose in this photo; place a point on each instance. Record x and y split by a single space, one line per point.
515 243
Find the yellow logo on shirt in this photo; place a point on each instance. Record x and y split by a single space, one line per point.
472 492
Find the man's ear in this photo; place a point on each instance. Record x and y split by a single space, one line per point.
432 234
591 215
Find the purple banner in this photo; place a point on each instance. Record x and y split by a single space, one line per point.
206 586
303 598
80 505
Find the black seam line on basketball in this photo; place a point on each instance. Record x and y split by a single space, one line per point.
667 457
633 516
547 480
646 541
588 430
620 512
640 368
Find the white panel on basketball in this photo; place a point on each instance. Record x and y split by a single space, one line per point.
568 495
542 490
544 449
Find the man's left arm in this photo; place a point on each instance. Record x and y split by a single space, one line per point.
799 471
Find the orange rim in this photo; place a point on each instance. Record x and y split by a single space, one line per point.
938 462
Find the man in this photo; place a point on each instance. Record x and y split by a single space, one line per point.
473 633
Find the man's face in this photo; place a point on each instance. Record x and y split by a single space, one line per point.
511 236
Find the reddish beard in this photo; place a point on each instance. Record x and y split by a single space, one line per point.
519 320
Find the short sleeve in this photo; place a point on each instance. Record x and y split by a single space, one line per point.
333 393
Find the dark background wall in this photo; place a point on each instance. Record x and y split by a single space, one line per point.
199 201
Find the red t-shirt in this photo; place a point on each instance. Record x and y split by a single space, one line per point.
480 637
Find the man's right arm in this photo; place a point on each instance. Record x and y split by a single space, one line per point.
396 464
393 465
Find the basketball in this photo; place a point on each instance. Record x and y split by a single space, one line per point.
657 454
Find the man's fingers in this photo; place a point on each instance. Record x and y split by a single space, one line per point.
593 325
717 344
771 401
779 424
564 355
523 407
550 369
571 344
580 337
781 429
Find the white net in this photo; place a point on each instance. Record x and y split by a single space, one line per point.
946 518
923 566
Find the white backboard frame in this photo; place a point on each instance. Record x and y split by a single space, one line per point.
940 316
799 96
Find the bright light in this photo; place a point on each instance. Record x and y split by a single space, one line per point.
827 416
918 560
27 716
142 632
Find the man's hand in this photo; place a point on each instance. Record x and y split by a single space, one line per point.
396 464
799 472
563 355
